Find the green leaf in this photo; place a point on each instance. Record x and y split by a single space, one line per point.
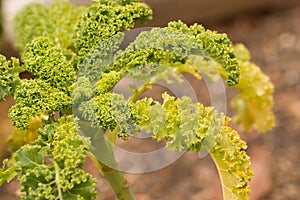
51 167
83 190
7 172
29 157
58 22
47 62
193 127
121 112
158 46
103 20
233 164
107 82
9 76
255 101
98 60
36 97
218 46
163 52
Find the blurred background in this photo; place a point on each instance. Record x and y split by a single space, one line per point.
271 31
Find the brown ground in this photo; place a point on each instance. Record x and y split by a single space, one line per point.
274 41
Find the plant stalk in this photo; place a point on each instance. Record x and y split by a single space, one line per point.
102 155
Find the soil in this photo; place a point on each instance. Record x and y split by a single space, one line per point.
273 38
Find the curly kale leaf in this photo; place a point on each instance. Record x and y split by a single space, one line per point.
217 45
50 91
108 111
157 46
194 127
181 51
103 111
57 21
103 20
255 99
232 163
35 97
82 90
9 76
7 172
107 82
51 167
99 60
47 62
180 121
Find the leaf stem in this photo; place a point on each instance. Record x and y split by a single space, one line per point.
102 155
57 180
118 183
95 161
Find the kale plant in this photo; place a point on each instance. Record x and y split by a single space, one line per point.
77 56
